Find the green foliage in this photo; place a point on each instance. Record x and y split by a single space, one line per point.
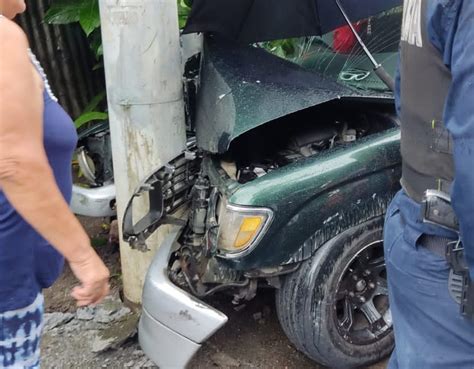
282 48
90 117
90 114
99 241
95 42
86 12
94 103
89 16
184 7
63 12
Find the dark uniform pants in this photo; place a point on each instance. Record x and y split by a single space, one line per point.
429 330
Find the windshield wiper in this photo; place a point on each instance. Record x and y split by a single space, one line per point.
379 70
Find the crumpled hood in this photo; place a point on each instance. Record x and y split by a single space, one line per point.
244 87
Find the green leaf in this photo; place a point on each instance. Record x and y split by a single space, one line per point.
182 21
86 12
64 12
98 242
285 48
183 12
89 16
95 42
98 66
99 51
96 100
89 117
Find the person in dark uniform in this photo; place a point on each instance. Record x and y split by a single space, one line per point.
435 101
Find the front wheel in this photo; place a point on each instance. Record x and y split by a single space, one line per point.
334 308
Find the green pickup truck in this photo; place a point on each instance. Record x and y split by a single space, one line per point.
287 177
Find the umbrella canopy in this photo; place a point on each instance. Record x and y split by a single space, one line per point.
248 21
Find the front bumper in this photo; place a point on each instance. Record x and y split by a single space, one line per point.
174 323
94 202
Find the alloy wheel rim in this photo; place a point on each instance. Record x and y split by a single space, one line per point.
361 309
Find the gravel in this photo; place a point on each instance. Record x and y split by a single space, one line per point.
93 337
251 340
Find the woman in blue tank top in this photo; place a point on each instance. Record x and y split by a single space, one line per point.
37 229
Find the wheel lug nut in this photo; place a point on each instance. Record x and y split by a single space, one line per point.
362 299
367 272
354 277
372 285
361 285
351 294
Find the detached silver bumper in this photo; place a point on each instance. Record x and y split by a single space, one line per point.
93 202
174 323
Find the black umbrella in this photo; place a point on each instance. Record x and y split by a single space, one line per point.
248 21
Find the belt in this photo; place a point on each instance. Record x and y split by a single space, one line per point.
415 184
437 245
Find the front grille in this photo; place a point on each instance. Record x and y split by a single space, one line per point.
167 189
180 177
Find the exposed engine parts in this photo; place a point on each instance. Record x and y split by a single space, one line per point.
307 142
269 148
200 195
203 276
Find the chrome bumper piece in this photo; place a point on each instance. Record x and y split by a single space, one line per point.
174 323
94 202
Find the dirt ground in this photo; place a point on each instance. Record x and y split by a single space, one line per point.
57 297
252 339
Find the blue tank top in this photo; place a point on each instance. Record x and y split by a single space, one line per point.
27 262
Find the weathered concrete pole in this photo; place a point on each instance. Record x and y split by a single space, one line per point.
145 98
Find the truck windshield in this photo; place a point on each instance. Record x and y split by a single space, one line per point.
338 56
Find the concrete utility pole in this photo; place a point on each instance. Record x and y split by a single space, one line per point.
145 98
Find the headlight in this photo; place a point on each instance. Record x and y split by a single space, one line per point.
240 228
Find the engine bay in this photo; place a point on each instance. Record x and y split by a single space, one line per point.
301 135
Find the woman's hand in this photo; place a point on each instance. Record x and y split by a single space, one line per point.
94 278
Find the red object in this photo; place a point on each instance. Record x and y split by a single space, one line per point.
344 39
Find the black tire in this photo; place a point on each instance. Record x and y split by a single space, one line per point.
325 311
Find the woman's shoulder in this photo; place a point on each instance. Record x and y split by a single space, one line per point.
14 58
12 36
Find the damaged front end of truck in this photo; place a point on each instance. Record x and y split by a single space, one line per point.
285 181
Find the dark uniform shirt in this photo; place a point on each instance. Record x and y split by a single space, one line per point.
451 31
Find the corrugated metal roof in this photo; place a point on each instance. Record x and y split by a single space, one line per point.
66 57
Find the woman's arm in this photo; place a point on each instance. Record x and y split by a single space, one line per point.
25 175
